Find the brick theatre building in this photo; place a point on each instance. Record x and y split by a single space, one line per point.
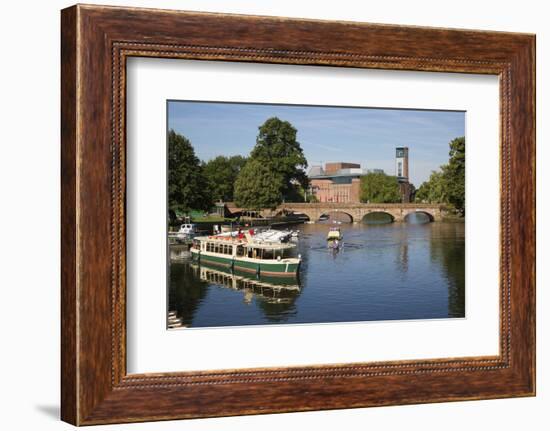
341 181
337 182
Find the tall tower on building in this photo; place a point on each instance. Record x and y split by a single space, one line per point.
406 189
402 164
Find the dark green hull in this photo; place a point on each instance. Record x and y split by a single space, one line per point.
266 281
276 269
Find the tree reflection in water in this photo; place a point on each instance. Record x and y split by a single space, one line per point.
447 247
275 296
186 292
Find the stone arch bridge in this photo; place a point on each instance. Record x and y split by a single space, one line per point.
357 211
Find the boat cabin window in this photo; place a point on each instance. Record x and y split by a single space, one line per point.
221 248
240 250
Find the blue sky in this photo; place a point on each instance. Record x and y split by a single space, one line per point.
327 134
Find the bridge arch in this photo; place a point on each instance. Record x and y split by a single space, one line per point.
378 217
419 217
304 215
337 216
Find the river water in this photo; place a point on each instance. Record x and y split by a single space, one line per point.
383 272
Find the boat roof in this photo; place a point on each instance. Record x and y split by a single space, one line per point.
245 243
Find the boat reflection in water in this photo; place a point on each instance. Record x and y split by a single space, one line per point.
270 289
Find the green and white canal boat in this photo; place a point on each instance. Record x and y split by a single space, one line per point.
243 252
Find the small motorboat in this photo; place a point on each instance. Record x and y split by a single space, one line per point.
186 231
334 238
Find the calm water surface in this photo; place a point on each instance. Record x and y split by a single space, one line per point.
384 272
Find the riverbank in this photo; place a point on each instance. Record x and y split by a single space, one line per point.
206 226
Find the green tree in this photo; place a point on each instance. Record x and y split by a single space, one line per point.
448 185
379 188
455 174
258 186
297 194
187 186
221 173
434 190
277 147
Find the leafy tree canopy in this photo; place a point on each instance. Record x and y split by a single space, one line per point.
258 186
455 172
275 169
221 173
379 188
448 185
187 186
434 190
277 147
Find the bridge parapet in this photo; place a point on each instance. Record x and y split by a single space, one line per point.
358 210
355 210
358 205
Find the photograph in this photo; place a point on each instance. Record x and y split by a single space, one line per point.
301 214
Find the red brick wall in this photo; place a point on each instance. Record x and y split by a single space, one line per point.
326 191
355 190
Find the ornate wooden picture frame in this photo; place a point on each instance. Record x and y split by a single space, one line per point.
96 42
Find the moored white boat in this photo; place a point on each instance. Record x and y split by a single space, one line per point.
187 230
